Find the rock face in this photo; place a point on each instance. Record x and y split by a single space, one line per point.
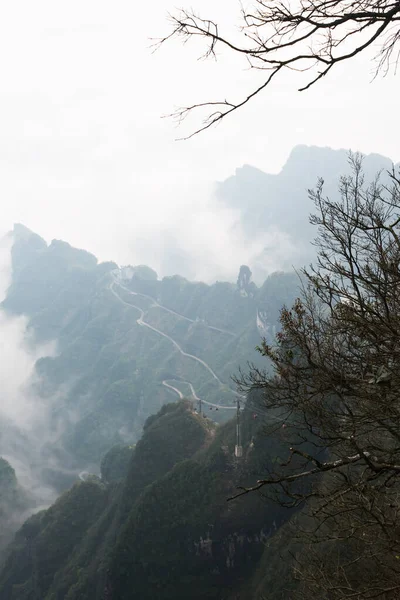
28 246
243 282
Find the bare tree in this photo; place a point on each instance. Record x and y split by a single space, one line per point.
310 36
336 383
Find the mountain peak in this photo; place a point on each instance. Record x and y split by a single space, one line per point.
21 233
319 160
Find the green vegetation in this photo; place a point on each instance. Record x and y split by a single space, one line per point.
164 529
108 371
115 464
159 510
14 501
47 539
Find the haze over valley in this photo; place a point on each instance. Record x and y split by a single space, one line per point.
91 351
199 300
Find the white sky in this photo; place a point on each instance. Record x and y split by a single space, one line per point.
85 156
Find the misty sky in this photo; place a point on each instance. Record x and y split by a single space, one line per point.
85 156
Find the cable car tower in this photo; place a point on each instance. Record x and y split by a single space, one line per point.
238 446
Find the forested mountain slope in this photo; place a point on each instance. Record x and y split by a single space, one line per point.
15 503
165 530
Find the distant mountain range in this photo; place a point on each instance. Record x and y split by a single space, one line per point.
277 207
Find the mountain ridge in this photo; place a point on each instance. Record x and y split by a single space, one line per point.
120 339
275 208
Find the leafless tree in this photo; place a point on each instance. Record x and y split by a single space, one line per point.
336 382
310 36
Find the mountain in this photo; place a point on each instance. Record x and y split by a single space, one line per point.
142 484
165 530
275 208
15 503
123 344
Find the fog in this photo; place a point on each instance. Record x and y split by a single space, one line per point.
24 416
85 155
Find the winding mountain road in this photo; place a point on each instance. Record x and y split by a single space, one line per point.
253 409
141 322
165 383
174 389
173 312
194 395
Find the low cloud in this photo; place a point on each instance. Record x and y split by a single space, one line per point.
24 416
201 239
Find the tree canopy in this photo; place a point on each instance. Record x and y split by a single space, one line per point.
336 386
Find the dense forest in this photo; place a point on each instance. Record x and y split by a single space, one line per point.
156 524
